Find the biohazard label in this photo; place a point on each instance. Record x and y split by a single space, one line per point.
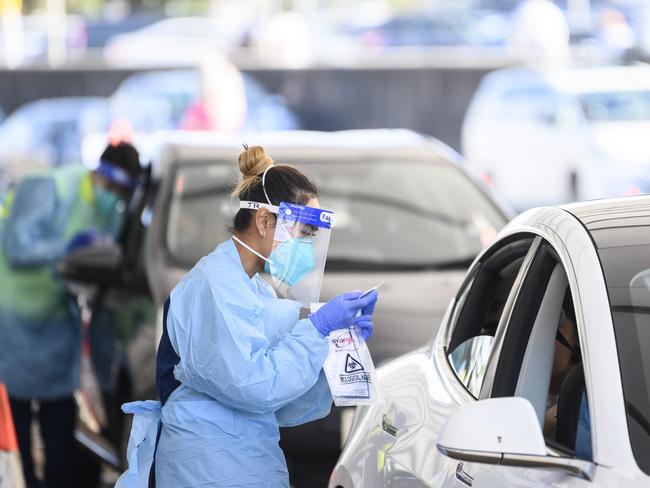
352 365
356 373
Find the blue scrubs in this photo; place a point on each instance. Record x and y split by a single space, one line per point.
247 365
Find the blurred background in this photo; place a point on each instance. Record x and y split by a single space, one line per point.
538 102
516 86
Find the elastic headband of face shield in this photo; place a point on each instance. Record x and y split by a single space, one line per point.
247 204
115 175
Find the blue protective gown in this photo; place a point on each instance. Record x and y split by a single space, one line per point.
247 366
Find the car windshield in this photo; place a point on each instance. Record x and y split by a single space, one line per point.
616 106
390 215
627 274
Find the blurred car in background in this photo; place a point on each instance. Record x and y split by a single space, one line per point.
175 41
408 213
47 133
34 37
554 136
99 31
412 30
158 100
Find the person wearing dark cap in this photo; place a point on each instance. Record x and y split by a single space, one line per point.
40 331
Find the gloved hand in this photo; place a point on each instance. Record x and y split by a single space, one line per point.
364 323
82 239
342 312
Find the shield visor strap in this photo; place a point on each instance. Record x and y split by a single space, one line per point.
248 205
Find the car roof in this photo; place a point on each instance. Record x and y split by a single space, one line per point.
575 80
601 79
602 218
372 143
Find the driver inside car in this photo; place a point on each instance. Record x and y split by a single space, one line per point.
567 363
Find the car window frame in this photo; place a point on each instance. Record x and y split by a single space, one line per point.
545 255
448 370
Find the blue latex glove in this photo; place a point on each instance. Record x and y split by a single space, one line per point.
347 310
365 328
83 239
364 325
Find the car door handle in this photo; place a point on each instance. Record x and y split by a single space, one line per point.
462 476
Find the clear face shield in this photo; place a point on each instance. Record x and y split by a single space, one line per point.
297 260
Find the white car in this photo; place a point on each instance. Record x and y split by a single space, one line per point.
548 137
175 41
493 401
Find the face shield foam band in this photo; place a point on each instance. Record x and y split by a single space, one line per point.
115 175
248 205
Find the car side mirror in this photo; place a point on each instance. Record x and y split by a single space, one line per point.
503 431
96 264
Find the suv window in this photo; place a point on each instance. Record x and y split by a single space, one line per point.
200 210
479 307
391 214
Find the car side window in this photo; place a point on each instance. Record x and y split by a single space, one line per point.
469 361
533 103
478 310
540 358
567 424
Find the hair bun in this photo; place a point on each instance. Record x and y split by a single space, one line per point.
253 161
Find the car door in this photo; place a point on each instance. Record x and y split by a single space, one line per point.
455 372
530 361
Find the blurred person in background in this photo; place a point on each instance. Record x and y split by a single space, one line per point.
40 329
539 33
614 34
222 104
